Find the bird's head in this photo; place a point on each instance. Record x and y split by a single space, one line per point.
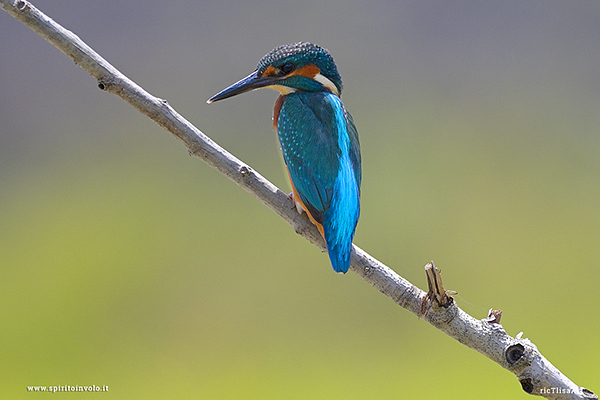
298 66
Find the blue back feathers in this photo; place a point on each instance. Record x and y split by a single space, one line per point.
321 150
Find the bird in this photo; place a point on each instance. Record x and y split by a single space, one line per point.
318 139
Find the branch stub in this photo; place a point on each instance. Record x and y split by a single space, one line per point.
527 385
514 353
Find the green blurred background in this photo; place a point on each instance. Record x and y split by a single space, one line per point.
125 262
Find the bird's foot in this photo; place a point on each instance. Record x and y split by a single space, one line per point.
297 204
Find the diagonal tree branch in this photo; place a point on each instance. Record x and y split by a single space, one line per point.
518 355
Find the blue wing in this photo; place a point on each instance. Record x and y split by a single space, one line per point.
308 137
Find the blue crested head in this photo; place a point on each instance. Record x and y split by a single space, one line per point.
303 66
292 67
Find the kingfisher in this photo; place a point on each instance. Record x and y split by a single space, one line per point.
318 139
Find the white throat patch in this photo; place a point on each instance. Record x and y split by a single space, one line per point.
326 82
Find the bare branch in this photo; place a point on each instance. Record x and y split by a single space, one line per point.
518 355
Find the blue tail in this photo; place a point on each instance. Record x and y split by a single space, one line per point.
340 256
339 221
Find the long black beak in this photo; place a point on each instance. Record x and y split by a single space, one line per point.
251 82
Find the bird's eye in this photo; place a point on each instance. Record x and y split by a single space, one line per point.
287 68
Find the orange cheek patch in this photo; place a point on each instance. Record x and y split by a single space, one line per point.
269 71
309 70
